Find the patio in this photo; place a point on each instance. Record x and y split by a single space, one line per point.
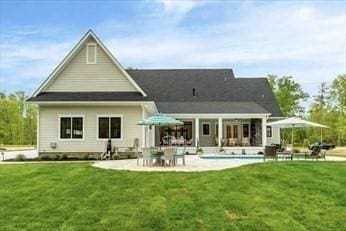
193 164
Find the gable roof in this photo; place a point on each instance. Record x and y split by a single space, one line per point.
171 90
74 51
211 85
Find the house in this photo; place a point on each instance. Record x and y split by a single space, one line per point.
89 97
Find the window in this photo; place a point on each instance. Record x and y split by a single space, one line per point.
269 131
71 127
109 127
245 130
205 129
91 53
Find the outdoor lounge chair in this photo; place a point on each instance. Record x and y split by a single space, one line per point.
169 156
316 153
180 154
270 153
147 156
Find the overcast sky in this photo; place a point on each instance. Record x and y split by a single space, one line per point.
304 39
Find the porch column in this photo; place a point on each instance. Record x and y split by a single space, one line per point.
153 137
220 125
196 131
264 131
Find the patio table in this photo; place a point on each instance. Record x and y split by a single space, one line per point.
158 156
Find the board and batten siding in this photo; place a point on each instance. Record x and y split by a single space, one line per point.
49 127
80 76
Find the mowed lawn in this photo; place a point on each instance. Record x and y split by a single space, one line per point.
270 196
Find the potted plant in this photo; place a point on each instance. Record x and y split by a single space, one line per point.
199 150
222 150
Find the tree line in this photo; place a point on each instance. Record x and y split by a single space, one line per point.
328 108
18 120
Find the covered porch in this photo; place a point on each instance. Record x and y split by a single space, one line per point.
235 132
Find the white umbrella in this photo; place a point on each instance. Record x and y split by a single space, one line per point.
295 122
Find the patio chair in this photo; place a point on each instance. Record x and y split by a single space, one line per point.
270 153
169 156
245 142
173 140
189 142
316 153
165 140
147 156
231 142
180 154
181 141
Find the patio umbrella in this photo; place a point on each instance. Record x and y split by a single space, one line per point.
295 122
160 120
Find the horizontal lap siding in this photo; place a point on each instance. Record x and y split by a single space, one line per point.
102 76
49 127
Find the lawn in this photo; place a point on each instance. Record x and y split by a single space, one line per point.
269 196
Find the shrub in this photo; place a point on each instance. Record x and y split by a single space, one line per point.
296 150
20 157
85 156
63 157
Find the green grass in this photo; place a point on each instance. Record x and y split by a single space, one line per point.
270 196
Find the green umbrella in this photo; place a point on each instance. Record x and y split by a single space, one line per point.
160 120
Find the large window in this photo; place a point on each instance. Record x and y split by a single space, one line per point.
109 127
269 131
205 129
71 127
91 53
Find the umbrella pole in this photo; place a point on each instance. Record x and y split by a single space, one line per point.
292 137
321 135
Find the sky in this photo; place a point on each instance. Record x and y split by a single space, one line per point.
303 39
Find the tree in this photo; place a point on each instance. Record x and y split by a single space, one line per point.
17 119
288 93
337 95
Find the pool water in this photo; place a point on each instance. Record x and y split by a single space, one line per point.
231 156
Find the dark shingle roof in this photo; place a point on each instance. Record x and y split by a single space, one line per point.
89 96
210 107
211 85
175 85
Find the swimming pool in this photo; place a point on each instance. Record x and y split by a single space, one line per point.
231 156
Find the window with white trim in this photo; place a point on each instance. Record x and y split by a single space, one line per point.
205 129
71 127
91 53
109 127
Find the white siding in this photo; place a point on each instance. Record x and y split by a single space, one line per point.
49 127
275 139
80 76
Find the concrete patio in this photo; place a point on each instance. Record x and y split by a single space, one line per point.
193 164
